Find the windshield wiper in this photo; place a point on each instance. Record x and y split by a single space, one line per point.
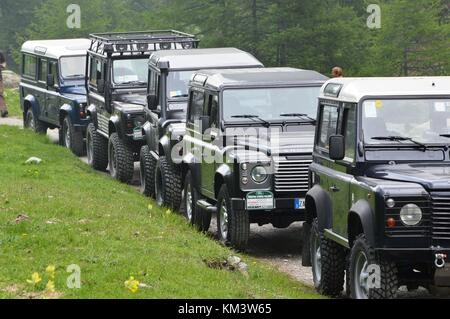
299 115
133 82
399 139
178 96
252 117
74 76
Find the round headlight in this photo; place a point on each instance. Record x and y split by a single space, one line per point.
259 174
411 215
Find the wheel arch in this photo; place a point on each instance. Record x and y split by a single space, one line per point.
114 126
319 205
222 176
64 111
361 221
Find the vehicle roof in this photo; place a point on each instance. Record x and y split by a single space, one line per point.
355 89
219 79
204 58
57 48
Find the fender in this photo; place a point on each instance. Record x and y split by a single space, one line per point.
146 133
190 164
318 202
164 145
66 109
92 113
34 104
362 210
114 122
224 173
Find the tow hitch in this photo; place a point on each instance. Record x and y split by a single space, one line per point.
439 261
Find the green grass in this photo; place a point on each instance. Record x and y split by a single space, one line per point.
13 102
78 216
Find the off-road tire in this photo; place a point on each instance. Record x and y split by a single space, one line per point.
147 172
31 122
306 250
331 282
200 219
389 272
98 151
120 159
76 143
238 222
171 184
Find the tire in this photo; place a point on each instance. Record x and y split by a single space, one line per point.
363 254
147 172
233 226
70 138
97 149
32 123
195 216
168 185
120 159
328 263
306 251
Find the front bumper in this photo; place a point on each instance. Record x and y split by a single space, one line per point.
281 206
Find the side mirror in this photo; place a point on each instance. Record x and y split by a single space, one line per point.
337 147
205 123
50 80
101 86
152 102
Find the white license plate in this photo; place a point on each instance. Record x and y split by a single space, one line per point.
260 201
137 134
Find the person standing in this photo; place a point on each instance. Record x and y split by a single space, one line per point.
3 108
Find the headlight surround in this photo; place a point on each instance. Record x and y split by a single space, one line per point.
411 215
259 174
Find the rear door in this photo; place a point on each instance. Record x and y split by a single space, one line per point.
52 95
97 70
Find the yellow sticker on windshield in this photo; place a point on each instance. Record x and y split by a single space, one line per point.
379 104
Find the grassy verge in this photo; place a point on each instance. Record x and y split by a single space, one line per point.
13 102
61 212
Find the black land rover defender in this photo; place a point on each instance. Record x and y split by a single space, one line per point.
380 186
247 149
52 90
169 74
117 74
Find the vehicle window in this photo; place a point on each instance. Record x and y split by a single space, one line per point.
403 121
95 73
73 67
42 70
349 129
197 102
177 84
29 66
211 110
53 70
328 125
130 71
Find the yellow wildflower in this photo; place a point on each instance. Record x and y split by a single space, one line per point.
132 285
168 212
35 279
50 270
150 207
50 287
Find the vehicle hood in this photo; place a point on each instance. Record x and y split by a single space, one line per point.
74 93
430 176
133 98
274 141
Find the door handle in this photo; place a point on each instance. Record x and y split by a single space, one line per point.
335 189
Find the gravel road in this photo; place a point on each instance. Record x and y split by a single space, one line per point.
279 247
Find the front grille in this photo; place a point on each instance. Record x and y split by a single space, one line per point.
441 217
291 174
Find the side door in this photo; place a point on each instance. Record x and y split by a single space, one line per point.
340 182
210 140
41 95
96 76
52 95
153 113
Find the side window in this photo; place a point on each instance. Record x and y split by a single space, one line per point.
328 124
53 70
154 84
42 70
197 100
29 66
349 130
95 72
211 110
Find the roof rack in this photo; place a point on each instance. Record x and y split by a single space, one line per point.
141 42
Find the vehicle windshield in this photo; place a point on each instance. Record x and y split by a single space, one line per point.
177 84
270 104
406 121
130 71
73 67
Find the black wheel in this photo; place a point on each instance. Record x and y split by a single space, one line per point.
168 186
306 251
195 216
121 159
328 263
32 123
361 258
233 226
70 138
147 172
97 149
